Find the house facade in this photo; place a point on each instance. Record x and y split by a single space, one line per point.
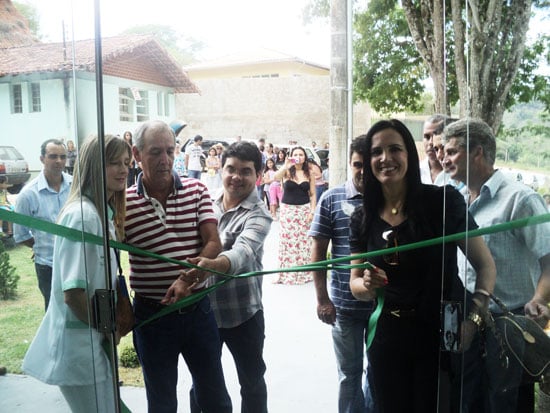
49 90
262 94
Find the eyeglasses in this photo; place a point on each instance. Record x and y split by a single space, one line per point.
390 236
357 164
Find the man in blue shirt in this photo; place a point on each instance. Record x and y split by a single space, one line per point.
43 198
243 225
348 316
522 258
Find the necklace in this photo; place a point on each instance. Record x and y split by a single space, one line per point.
394 211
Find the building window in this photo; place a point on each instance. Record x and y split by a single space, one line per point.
36 103
16 99
142 105
166 104
160 104
126 104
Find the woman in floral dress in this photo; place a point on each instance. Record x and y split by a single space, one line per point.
296 212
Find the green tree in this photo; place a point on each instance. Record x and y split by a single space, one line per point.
485 84
182 48
29 12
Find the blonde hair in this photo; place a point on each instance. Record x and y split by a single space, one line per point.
87 183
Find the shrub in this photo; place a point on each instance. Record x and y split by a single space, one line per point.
8 278
128 357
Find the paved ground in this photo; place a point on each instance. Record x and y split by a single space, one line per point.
301 371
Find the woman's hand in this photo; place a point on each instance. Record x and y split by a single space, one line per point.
364 283
373 279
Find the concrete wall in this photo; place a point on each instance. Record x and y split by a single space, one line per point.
278 109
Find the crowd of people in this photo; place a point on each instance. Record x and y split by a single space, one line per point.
219 225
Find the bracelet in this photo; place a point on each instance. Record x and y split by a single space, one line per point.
476 319
482 292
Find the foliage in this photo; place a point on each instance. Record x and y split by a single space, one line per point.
30 13
183 49
128 357
387 69
8 279
394 55
525 138
20 318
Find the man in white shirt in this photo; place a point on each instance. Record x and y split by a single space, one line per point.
193 155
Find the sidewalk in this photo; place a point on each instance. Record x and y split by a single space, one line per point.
301 371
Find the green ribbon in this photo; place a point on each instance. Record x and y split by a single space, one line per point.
76 235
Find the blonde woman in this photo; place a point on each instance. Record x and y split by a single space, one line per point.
66 350
296 213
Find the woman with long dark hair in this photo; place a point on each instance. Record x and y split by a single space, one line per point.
404 357
295 216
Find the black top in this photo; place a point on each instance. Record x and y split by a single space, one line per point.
295 194
421 274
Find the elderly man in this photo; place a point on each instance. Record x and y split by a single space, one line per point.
244 223
173 218
43 198
522 258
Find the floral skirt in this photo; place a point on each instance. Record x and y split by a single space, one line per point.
294 244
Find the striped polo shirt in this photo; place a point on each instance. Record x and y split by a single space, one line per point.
172 233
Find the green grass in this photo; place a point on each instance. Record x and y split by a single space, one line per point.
20 318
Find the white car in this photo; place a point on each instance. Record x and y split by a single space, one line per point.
14 169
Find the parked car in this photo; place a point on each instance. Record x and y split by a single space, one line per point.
323 156
14 167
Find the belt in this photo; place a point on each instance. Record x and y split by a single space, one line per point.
157 305
400 312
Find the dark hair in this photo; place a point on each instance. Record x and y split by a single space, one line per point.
57 142
283 152
305 167
197 138
357 146
373 199
244 151
266 168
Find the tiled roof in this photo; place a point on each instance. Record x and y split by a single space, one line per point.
257 56
127 49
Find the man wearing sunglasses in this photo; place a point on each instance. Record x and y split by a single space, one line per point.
348 316
43 198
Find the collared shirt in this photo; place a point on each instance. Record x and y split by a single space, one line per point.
243 230
516 252
39 200
173 232
443 178
65 351
331 221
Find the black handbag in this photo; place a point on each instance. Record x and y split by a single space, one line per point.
523 341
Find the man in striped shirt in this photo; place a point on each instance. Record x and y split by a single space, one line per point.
348 316
173 218
244 223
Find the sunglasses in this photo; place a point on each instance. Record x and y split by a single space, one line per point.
390 236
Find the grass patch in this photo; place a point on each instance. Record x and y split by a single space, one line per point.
21 317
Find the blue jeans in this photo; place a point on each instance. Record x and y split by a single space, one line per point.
194 174
246 344
194 335
348 337
44 275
